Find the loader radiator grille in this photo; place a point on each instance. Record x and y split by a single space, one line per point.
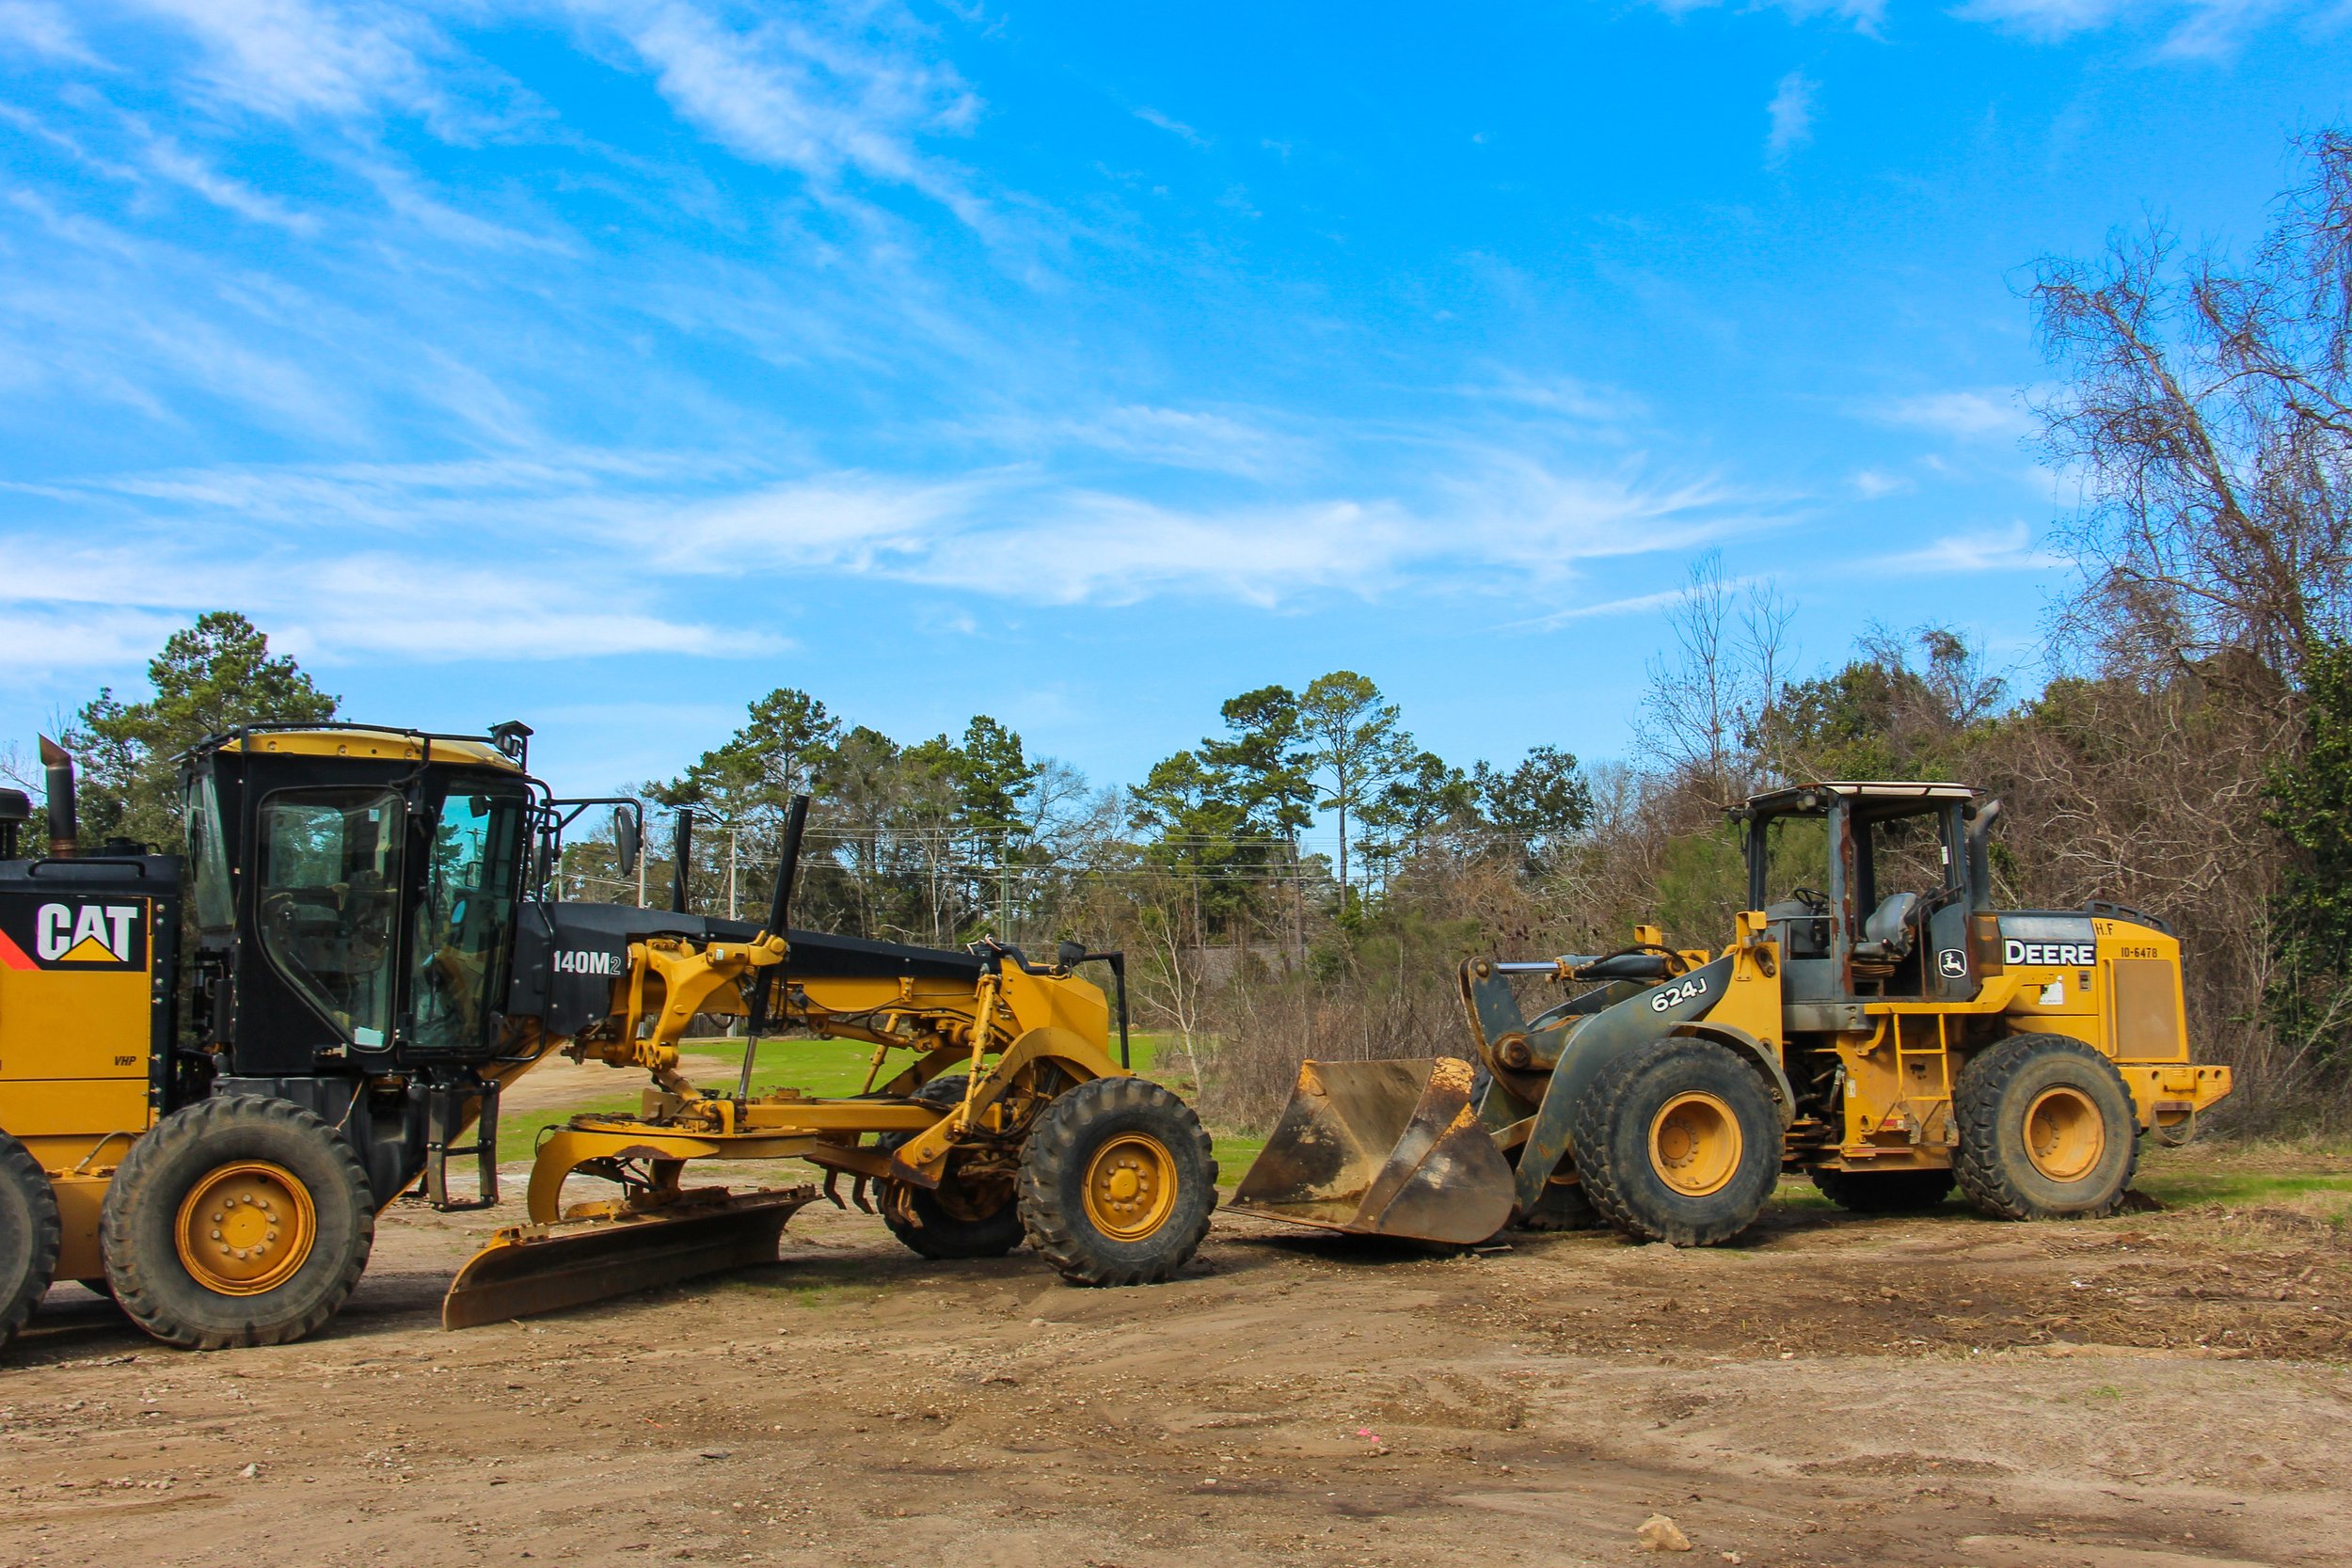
2147 1011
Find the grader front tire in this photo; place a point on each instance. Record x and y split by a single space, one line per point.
1117 1182
2047 1130
238 1221
1677 1141
30 1235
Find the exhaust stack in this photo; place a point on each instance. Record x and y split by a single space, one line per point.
59 764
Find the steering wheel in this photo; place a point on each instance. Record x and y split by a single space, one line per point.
1812 898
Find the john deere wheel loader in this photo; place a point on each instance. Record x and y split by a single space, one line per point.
1874 1022
208 1133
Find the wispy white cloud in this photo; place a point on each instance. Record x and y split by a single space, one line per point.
174 162
1862 15
39 27
1789 117
1874 484
577 527
1978 415
2196 27
292 58
2009 550
827 102
1170 124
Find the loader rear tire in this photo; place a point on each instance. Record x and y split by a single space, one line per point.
238 1221
30 1235
1117 1182
962 1218
1883 1192
2047 1130
1678 1141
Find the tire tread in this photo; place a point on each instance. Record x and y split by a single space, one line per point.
44 1235
1053 1146
145 1294
1976 1104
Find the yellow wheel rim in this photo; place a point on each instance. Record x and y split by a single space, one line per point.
1131 1187
1694 1144
2065 1135
246 1228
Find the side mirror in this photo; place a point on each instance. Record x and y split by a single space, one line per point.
1070 955
627 839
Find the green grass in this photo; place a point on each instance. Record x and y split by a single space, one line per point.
2222 1188
1233 1155
826 1068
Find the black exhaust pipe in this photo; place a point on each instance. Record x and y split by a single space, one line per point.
771 989
60 764
681 855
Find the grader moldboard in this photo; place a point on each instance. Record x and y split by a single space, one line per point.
1881 1028
374 957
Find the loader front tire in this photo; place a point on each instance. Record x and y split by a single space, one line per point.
2047 1130
963 1218
1678 1141
238 1221
1883 1192
30 1235
1117 1182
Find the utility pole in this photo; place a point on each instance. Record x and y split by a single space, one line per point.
730 873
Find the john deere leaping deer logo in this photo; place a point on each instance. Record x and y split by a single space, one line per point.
72 933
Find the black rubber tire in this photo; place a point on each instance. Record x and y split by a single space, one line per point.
925 1220
30 1235
1997 1090
1883 1192
155 1287
1060 1150
1611 1136
1562 1207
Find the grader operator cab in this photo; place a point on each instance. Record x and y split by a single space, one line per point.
206 1127
1874 1022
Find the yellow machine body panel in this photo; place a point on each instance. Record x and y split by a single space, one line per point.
77 1011
2120 994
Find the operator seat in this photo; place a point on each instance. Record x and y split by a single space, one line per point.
1886 935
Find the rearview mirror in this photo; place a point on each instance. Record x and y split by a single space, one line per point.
627 836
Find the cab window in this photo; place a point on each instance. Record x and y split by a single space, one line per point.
328 902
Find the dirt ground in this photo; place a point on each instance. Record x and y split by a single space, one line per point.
2155 1391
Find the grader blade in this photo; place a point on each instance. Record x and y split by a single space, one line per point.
529 1269
1383 1148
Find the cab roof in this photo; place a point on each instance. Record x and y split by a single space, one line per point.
1815 797
371 743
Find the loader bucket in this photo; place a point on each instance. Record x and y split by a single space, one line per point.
1382 1148
544 1268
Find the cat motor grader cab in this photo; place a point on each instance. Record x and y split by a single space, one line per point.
205 1126
1877 1025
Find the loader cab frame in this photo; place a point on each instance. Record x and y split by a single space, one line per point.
1870 888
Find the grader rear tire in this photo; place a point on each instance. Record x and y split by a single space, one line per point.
30 1235
1883 1192
2047 1130
961 1219
1677 1141
237 1221
1117 1182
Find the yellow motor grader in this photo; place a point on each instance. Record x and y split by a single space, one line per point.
1877 1025
206 1126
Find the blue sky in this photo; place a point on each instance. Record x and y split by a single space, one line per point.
609 362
